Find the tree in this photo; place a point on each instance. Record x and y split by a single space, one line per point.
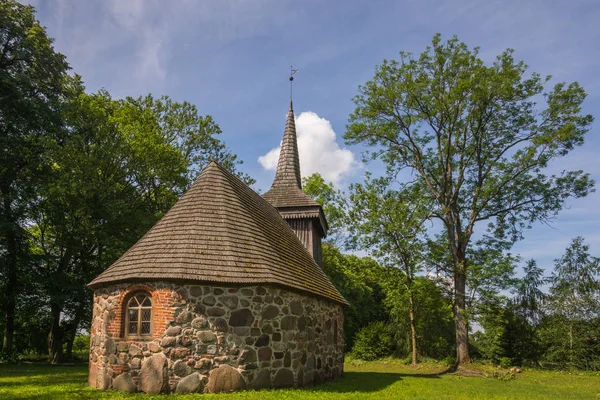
389 224
33 88
508 338
575 291
358 280
473 136
331 200
120 167
529 296
431 311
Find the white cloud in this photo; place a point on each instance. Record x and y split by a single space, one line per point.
319 151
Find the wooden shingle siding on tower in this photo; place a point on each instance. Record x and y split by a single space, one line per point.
222 231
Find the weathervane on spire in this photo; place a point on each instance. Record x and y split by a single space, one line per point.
292 73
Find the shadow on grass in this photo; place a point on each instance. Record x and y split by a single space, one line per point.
367 381
46 376
41 375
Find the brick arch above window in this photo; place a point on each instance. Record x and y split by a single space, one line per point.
138 309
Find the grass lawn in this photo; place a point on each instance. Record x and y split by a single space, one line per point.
374 380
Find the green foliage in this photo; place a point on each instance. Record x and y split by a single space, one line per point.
389 224
332 201
501 375
505 362
570 344
33 87
528 294
81 347
449 361
508 338
358 280
571 330
433 316
575 290
372 342
82 177
476 141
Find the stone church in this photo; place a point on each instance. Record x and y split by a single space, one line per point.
226 292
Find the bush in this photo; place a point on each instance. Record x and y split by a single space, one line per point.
372 342
449 361
81 347
500 375
505 362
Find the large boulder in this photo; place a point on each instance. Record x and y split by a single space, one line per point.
124 383
262 380
241 317
190 384
180 368
153 375
225 379
284 378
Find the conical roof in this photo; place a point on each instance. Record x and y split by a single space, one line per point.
288 165
222 231
286 191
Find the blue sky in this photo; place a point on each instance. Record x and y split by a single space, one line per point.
232 59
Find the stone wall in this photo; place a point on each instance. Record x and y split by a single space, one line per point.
216 339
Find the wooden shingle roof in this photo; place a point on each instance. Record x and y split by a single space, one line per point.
222 231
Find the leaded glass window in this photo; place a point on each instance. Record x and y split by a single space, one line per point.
139 315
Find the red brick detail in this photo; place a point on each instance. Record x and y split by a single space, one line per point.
163 310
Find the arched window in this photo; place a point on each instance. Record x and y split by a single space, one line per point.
138 315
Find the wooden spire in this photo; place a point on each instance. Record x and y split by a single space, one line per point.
304 215
288 166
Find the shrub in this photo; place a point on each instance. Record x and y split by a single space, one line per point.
505 362
81 347
500 375
372 342
449 361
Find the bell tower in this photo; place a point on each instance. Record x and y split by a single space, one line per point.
304 215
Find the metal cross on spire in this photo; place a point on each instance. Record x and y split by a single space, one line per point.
292 73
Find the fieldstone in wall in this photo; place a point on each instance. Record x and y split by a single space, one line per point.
173 331
206 336
190 384
135 351
262 380
217 339
181 368
241 317
153 374
220 325
296 307
270 312
230 301
284 378
225 379
199 323
124 383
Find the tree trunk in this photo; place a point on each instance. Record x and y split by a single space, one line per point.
413 331
571 345
10 272
70 333
460 318
55 337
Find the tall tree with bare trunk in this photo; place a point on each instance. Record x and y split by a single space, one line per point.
478 136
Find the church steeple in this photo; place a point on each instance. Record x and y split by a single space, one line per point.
288 166
304 215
